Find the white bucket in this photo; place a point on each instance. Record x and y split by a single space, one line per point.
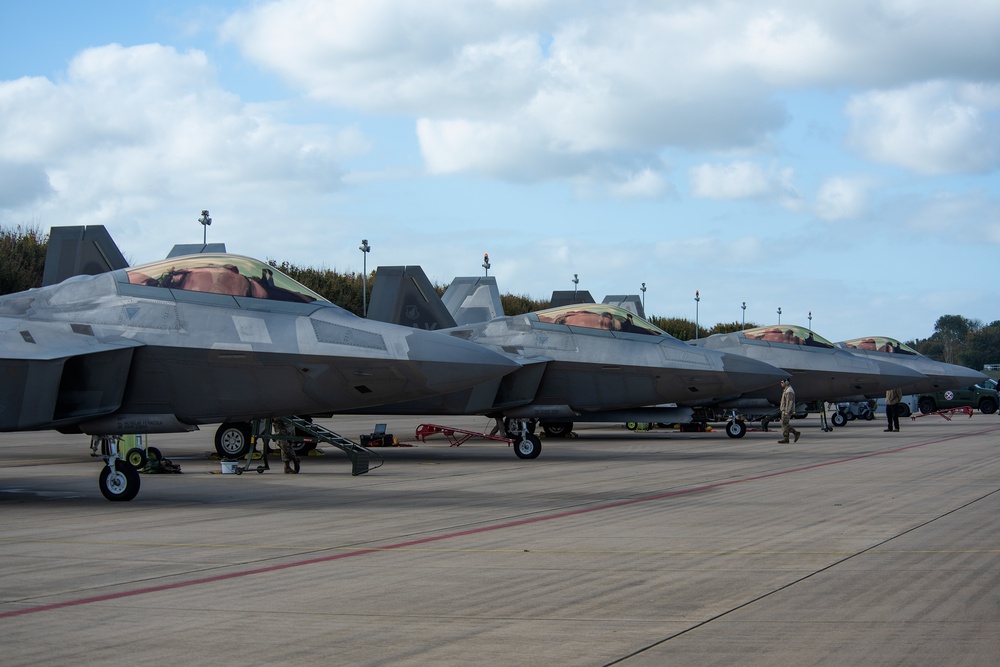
229 467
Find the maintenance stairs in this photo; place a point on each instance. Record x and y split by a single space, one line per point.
360 456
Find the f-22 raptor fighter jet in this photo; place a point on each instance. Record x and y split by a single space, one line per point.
575 361
205 339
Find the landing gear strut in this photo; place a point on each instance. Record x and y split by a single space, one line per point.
526 444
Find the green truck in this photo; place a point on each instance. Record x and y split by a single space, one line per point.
981 397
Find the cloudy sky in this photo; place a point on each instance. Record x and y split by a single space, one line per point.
833 158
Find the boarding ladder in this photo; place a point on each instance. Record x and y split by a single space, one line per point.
360 456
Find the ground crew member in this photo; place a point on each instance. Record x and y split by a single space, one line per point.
787 408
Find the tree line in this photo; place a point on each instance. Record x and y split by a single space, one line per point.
956 339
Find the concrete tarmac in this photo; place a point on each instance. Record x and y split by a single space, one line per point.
850 547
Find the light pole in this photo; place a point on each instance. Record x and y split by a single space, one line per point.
744 306
643 290
576 281
486 263
810 321
365 249
205 222
697 303
779 314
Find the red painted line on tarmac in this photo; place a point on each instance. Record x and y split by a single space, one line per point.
471 531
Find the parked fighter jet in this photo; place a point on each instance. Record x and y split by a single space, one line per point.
820 370
573 360
939 376
205 339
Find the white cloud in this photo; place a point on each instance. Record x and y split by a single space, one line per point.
743 180
930 128
841 198
131 132
572 84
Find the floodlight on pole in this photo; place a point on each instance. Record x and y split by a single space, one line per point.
697 303
205 222
576 281
779 314
810 320
365 249
643 290
486 262
744 306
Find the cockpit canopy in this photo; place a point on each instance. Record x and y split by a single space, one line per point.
599 316
879 344
222 274
787 333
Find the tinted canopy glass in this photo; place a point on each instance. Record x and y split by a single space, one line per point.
599 316
787 333
879 344
222 274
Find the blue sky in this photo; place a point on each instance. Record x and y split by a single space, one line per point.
839 159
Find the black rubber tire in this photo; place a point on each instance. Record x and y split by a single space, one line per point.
838 419
904 410
136 458
120 484
529 447
987 406
232 440
737 428
926 405
153 454
557 429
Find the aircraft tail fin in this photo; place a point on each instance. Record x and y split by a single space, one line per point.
404 295
80 250
473 299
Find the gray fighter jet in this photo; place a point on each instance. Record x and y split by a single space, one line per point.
574 360
820 370
205 339
939 376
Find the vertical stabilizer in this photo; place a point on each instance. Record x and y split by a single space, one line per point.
80 250
630 302
404 295
473 299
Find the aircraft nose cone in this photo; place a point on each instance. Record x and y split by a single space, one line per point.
895 376
747 374
450 363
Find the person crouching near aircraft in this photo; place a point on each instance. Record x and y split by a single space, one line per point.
787 408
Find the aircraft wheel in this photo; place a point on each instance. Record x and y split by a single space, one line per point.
529 447
737 428
119 481
838 419
136 457
232 440
557 429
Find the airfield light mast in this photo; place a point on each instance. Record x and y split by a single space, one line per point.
365 249
697 303
205 222
744 306
486 263
643 290
810 320
779 314
576 281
